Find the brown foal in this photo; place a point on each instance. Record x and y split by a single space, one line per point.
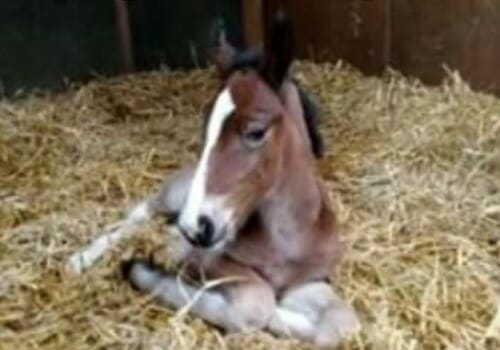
253 207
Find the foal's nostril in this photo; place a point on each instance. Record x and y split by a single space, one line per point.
205 231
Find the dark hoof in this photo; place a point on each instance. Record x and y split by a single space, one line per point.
126 268
151 260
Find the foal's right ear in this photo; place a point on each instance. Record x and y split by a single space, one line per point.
278 47
223 53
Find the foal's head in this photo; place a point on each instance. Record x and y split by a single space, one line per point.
247 133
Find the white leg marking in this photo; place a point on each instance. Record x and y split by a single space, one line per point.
290 323
87 256
223 108
211 305
167 289
313 312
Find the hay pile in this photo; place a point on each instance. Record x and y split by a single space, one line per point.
415 170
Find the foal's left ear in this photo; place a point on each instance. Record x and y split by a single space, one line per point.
278 47
223 53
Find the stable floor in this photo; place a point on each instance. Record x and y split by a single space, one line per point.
414 172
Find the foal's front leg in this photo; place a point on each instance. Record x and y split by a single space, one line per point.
246 303
314 313
168 201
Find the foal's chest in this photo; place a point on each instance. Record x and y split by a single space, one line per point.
281 260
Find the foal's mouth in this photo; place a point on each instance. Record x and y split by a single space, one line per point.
171 219
218 243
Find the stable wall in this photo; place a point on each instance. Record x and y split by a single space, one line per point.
417 37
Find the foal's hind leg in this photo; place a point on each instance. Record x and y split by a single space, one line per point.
314 313
242 301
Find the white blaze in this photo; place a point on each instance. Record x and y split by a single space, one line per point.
223 108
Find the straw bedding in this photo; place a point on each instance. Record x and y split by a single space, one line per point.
414 171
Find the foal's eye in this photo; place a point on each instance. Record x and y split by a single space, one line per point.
254 138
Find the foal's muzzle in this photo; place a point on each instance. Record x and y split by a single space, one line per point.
203 235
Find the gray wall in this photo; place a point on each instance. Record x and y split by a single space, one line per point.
177 32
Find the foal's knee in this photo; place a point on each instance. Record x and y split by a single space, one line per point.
252 307
174 191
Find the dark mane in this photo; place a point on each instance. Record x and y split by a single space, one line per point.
311 117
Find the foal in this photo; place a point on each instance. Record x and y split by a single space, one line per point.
252 208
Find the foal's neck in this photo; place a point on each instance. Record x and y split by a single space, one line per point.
296 201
